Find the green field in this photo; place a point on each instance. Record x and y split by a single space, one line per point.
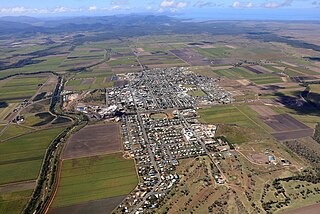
14 130
19 88
214 52
93 178
197 93
226 115
238 123
98 80
266 80
21 157
308 119
14 202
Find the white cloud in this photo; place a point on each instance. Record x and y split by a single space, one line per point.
93 8
249 5
181 4
271 5
119 2
166 3
172 4
116 7
236 4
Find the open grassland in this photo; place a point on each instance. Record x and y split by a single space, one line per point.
94 178
14 202
21 157
197 93
14 130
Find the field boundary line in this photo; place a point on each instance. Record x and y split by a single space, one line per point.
180 58
251 119
99 154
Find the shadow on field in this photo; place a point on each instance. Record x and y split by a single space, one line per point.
3 104
300 103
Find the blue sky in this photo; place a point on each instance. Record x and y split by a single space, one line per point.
186 8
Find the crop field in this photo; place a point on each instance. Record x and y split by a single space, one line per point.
90 80
94 178
161 58
94 140
14 202
191 56
308 119
20 88
5 111
239 115
220 52
38 119
24 154
286 127
100 206
14 130
266 80
238 123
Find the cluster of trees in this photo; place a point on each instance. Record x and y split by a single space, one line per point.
305 151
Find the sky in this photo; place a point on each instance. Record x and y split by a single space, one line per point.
196 9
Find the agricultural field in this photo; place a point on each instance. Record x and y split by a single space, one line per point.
13 130
24 154
14 202
20 88
96 177
272 70
94 140
233 115
239 124
90 80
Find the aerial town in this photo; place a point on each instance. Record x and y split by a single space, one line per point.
157 110
152 113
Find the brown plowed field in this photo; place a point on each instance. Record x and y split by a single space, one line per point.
284 122
191 57
286 127
97 207
293 134
93 140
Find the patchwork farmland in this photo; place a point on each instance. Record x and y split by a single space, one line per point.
94 176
